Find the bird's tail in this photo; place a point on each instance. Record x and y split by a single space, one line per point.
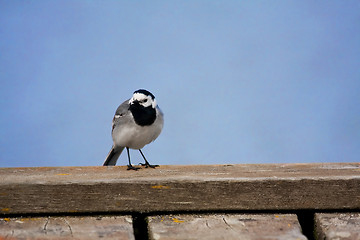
113 156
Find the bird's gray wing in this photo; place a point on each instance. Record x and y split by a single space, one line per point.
121 113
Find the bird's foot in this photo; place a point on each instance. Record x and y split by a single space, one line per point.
131 167
148 165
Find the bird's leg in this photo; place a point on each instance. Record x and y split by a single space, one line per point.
146 164
130 166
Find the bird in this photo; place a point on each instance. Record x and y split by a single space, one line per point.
137 122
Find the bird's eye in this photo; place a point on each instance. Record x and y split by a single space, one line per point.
145 100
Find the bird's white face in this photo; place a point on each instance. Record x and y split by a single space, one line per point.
143 100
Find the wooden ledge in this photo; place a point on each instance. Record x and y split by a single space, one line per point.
330 186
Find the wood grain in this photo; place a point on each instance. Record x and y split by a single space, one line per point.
225 226
64 190
80 228
337 226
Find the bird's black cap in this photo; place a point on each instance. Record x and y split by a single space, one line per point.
145 92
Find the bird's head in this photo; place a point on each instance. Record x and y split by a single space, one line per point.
143 98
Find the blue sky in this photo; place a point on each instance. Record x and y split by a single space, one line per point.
238 81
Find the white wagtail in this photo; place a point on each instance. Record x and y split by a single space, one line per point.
137 122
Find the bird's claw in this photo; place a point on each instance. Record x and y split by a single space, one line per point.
148 165
131 167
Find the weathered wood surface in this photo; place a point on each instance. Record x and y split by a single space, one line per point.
180 188
225 226
67 228
337 226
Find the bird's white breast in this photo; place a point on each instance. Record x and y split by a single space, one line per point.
135 136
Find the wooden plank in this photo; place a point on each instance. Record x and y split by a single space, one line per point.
225 226
339 226
67 227
180 188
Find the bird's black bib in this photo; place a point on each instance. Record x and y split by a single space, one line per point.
143 116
